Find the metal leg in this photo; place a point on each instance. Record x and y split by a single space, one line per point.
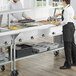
11 65
14 72
14 64
3 68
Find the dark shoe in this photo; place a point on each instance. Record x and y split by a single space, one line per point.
64 67
73 64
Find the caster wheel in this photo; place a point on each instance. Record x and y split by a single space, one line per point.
3 68
14 73
48 48
56 53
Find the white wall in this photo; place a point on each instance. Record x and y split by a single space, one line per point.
22 1
73 3
40 13
29 3
3 4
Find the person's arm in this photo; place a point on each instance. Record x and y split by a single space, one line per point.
66 18
12 18
23 13
25 16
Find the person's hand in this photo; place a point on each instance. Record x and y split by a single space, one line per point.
57 15
29 18
15 21
57 23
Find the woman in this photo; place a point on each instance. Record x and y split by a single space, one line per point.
68 35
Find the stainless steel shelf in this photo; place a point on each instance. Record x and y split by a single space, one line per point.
3 62
51 50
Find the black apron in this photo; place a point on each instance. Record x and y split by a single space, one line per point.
68 30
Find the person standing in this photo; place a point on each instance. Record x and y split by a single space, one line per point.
15 5
68 35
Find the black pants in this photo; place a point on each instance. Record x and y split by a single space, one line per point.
70 53
69 45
